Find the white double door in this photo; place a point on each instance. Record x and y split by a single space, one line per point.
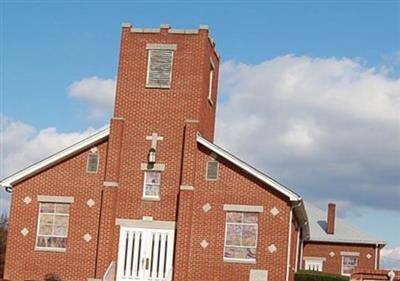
145 254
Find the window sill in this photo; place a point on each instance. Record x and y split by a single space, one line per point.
54 250
151 198
227 260
157 87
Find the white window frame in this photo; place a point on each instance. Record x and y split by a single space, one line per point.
148 68
216 178
51 249
237 260
211 82
318 262
355 255
151 197
97 165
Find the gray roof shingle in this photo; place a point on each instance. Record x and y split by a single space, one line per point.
344 232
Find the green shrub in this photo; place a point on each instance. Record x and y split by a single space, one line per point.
309 275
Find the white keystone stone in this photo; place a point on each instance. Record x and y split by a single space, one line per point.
206 207
204 244
27 200
24 231
87 237
369 256
93 150
90 203
331 254
274 211
272 248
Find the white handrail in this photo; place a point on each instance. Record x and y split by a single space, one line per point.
110 273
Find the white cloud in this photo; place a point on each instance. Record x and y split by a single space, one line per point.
22 144
391 258
327 127
96 93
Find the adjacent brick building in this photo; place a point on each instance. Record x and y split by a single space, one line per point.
151 197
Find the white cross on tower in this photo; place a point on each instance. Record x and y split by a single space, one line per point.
154 138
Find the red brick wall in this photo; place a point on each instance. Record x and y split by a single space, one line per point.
234 187
333 264
162 111
68 178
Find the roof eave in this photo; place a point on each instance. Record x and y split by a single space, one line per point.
346 241
292 196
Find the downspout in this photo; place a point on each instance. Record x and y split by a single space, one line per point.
297 250
301 254
289 243
98 231
376 257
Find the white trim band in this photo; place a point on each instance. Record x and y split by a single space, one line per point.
151 46
353 254
146 224
110 183
155 167
243 208
314 258
187 187
55 199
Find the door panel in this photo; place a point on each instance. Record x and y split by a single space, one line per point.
145 254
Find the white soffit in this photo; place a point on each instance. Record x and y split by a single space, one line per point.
249 169
56 158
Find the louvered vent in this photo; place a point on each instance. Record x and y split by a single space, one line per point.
212 170
159 68
92 163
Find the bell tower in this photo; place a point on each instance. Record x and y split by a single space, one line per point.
165 77
166 94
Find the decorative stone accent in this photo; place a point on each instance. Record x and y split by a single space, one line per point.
94 150
369 256
27 200
206 207
204 244
274 211
90 203
258 275
24 231
272 248
331 254
87 237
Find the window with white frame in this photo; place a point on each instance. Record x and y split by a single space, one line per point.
210 83
152 182
349 263
52 230
212 170
92 162
314 264
159 68
241 230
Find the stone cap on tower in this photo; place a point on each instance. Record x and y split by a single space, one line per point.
170 30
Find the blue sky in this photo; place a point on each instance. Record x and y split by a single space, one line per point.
46 46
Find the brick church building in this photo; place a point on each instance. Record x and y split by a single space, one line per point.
151 197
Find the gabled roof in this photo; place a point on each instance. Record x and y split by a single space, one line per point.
344 232
293 196
55 158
